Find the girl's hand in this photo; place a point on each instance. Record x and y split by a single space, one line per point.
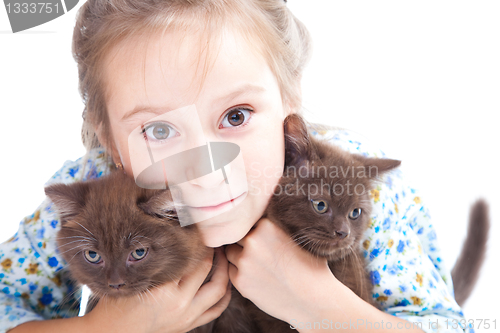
278 276
177 306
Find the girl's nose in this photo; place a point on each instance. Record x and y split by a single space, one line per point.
213 179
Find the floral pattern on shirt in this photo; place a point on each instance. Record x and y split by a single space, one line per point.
33 282
401 251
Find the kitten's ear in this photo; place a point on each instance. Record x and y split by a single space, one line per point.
378 166
160 204
297 143
69 200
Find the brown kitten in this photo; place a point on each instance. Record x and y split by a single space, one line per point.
322 201
120 239
330 216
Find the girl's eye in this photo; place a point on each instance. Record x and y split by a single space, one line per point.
139 254
158 132
236 117
319 206
356 212
92 256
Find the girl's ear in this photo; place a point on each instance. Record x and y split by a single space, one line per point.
293 107
68 200
289 109
110 146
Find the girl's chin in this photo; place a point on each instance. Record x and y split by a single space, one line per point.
222 234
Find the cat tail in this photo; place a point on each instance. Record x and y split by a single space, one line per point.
466 270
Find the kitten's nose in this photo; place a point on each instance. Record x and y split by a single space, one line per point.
116 286
341 234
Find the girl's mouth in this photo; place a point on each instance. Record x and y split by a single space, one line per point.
224 205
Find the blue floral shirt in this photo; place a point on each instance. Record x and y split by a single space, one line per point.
401 251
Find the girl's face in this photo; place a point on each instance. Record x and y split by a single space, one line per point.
239 102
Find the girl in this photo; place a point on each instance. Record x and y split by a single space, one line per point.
238 64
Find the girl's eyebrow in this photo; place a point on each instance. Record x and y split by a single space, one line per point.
247 88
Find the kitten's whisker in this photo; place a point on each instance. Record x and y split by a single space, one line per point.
83 237
316 244
134 240
138 296
297 239
85 228
360 272
149 291
344 259
301 231
141 296
142 245
304 245
65 300
73 248
59 249
78 230
83 240
74 256
135 231
292 241
301 242
170 294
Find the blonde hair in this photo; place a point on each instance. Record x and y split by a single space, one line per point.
102 24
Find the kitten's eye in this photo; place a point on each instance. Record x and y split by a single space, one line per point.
92 256
320 206
236 117
356 212
158 132
139 254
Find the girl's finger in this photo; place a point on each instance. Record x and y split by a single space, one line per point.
233 253
192 281
215 311
241 242
215 289
232 271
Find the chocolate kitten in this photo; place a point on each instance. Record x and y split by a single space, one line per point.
120 239
322 201
332 211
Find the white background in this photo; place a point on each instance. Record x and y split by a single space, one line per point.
420 79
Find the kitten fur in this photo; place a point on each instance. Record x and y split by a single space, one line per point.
465 272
